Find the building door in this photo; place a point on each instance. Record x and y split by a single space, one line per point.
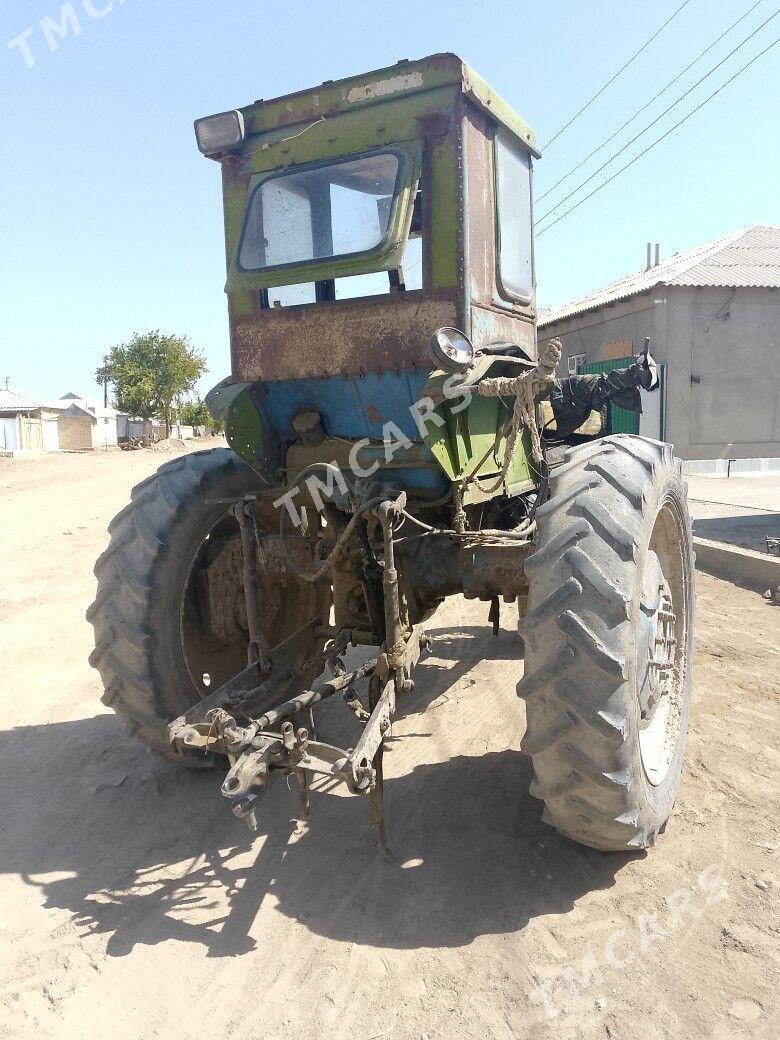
8 435
51 435
32 434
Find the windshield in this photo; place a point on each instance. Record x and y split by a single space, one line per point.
315 214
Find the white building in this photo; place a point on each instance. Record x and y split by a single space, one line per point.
27 426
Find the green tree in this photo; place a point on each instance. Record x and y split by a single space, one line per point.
149 372
195 413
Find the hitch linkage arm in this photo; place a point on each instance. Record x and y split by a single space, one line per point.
257 748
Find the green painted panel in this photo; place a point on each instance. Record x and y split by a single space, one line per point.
623 421
466 444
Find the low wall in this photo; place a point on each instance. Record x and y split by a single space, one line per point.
752 570
731 467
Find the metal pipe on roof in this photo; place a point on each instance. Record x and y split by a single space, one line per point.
657 254
649 256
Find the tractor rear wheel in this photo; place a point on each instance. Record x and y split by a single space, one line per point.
609 643
169 615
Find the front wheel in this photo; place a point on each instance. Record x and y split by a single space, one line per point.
609 643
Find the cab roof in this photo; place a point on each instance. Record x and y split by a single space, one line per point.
405 78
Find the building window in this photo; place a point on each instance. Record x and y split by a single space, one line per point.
618 348
513 203
576 361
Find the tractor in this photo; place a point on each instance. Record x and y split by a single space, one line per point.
396 436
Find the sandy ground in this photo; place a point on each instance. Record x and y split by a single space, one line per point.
739 510
132 905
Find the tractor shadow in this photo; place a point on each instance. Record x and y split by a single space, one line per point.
143 853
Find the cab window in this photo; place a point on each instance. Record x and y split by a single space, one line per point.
313 214
513 208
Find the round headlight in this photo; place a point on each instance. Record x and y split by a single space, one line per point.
451 350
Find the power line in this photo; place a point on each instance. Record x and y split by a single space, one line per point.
622 69
657 119
661 138
655 97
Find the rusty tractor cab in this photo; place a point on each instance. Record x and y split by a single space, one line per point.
397 438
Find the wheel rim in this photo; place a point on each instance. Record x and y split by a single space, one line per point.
210 659
662 646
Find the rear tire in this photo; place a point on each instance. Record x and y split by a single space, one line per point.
155 652
609 643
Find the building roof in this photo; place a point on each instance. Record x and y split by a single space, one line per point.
94 408
749 258
76 409
13 402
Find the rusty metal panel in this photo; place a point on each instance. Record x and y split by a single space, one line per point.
348 337
491 325
375 334
491 318
480 206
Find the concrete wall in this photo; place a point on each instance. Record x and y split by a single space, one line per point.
127 427
727 338
730 341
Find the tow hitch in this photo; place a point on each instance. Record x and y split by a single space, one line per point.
259 745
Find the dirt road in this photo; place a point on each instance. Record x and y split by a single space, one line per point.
739 510
132 905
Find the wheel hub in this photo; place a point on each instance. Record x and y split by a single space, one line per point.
659 666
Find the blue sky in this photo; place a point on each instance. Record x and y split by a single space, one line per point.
111 221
